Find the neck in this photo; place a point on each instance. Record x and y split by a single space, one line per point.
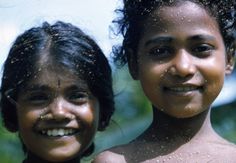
31 158
166 128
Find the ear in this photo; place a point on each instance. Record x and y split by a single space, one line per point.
230 59
132 64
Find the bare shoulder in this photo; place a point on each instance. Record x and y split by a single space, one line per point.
109 157
228 148
224 151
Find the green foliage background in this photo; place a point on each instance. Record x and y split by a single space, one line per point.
132 116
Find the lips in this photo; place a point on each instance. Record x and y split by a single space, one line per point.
183 89
57 132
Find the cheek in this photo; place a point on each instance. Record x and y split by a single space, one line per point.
90 118
150 75
89 115
214 71
26 119
214 75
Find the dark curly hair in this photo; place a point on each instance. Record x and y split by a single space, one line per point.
131 17
63 45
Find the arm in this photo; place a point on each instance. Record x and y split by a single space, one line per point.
109 157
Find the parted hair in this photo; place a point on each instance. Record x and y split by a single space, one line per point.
64 45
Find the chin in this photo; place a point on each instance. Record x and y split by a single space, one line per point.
186 113
61 156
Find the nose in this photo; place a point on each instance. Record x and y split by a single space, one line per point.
60 110
182 64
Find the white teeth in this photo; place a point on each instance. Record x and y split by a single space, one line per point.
58 132
61 132
70 131
183 89
49 133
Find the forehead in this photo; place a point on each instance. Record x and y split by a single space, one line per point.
56 77
185 13
180 22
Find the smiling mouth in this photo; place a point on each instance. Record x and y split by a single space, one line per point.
58 132
183 89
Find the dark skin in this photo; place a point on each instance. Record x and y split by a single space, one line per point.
175 133
34 159
178 140
58 117
181 65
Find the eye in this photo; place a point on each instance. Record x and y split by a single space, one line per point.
37 98
161 52
78 97
203 50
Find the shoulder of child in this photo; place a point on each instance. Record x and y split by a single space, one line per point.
225 150
229 148
109 157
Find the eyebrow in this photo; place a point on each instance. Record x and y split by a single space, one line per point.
36 88
81 86
160 39
202 38
169 39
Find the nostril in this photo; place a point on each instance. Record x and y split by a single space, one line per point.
182 69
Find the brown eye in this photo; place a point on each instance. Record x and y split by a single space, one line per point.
37 98
78 97
203 50
161 52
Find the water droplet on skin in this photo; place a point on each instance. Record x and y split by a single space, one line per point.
28 74
19 82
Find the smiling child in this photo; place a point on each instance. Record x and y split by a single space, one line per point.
180 51
56 92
